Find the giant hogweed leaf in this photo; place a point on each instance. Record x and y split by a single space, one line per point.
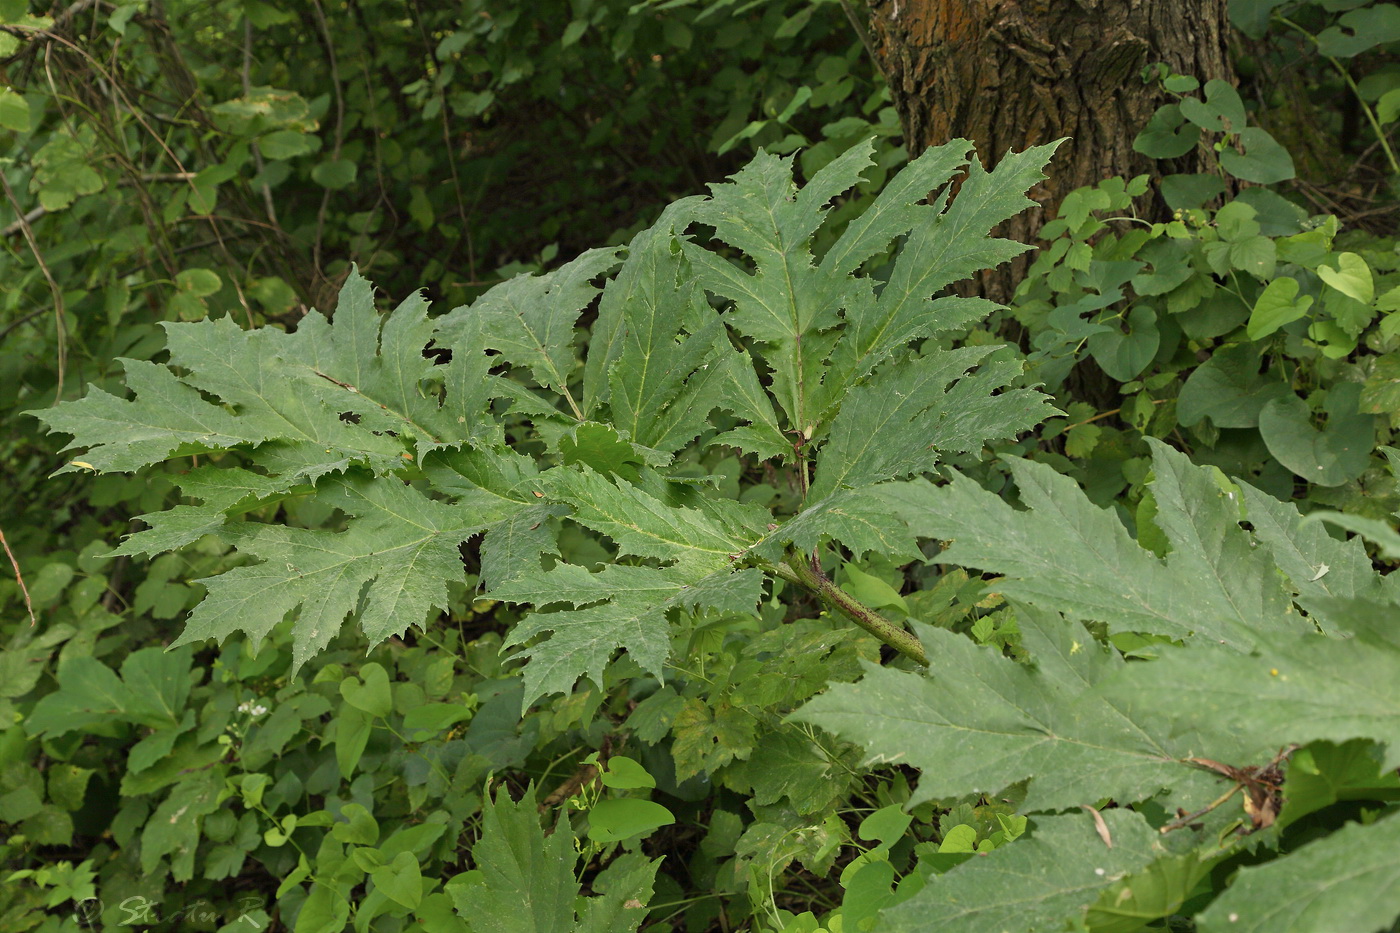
1200 517
900 423
940 250
762 212
647 278
388 567
358 392
1317 565
906 418
899 208
499 488
1079 722
1245 707
661 389
168 418
524 880
641 524
282 396
634 618
304 382
365 365
1353 873
530 319
792 306
1046 881
1065 554
746 398
787 301
863 520
978 722
225 491
307 446
625 606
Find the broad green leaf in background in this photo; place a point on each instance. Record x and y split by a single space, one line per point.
388 568
1351 878
1352 277
335 174
174 827
1167 135
1065 554
978 722
1323 773
1228 388
1380 395
1276 306
1155 892
1252 16
1359 30
1124 355
524 882
1256 156
152 691
1057 874
626 818
401 880
1330 456
14 111
1222 111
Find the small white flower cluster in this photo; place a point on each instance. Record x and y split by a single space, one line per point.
252 709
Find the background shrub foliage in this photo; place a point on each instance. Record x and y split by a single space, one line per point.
931 614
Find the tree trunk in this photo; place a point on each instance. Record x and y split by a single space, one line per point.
1008 74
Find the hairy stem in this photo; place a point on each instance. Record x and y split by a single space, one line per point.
799 570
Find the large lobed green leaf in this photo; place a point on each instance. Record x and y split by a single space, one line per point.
791 357
1065 554
1078 724
524 881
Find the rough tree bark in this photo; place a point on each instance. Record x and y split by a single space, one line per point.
1008 74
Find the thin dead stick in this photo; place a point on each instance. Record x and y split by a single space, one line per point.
576 782
339 134
60 320
1189 818
19 578
140 117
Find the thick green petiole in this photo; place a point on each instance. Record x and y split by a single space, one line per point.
798 569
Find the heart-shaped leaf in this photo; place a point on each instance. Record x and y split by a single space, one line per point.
1228 389
370 695
1221 112
1278 304
1122 356
1167 135
1337 453
615 820
1352 278
1257 157
400 880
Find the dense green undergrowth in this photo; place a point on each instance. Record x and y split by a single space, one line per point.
596 483
733 576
